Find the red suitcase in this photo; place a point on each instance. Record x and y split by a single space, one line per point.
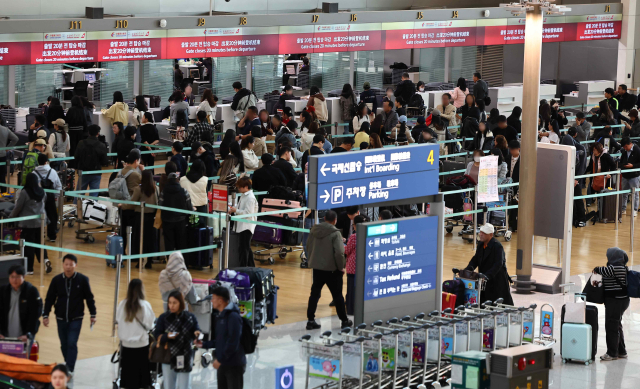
277 204
448 301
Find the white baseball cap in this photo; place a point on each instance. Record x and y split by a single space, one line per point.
487 228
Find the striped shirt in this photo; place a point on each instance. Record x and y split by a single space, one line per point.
614 279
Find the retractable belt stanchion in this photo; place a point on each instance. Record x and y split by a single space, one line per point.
129 244
141 261
43 220
617 188
21 245
475 216
61 216
632 221
227 235
115 301
2 235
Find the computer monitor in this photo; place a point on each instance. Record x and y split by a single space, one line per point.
77 76
91 77
194 73
157 116
291 70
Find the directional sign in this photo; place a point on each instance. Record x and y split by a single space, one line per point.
400 257
284 377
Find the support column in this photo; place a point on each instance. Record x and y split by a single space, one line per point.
352 69
249 79
628 46
138 78
528 154
11 89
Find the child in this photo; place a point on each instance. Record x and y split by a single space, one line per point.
350 252
178 159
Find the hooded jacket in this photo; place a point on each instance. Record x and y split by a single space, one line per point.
175 277
318 102
228 331
91 154
174 196
118 112
325 248
614 275
267 176
30 306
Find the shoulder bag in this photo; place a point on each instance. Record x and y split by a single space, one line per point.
159 353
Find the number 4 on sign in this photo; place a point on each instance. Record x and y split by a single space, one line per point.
430 158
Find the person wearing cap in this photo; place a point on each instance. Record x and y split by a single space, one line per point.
346 145
369 97
7 139
268 175
59 142
39 122
42 145
400 132
490 260
447 110
133 177
91 154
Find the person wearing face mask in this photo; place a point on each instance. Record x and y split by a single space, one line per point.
420 86
473 168
484 138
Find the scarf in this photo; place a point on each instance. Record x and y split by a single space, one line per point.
175 275
184 325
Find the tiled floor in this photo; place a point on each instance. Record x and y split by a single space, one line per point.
279 346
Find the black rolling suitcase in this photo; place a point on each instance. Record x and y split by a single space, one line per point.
261 278
199 237
591 318
12 383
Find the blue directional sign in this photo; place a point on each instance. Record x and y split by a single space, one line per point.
284 377
400 257
372 176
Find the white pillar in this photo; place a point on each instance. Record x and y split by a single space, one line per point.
628 45
11 85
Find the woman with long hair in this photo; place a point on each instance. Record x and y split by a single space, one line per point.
237 152
119 111
54 112
135 318
473 167
139 110
374 141
306 140
227 173
195 183
502 166
59 142
553 133
60 376
460 93
469 104
148 194
492 121
250 159
208 104
363 134
362 116
514 119
545 113
604 116
502 145
229 137
347 103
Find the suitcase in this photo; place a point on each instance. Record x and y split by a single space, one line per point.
94 212
234 259
272 305
199 237
277 204
448 301
24 369
269 235
240 280
113 216
466 207
261 278
292 238
12 383
455 287
114 246
591 319
576 343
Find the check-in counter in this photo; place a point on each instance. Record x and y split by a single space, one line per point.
224 112
433 98
296 105
589 93
334 111
505 98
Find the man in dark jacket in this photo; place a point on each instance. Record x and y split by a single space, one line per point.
416 131
316 149
490 261
230 360
20 306
626 100
480 88
325 249
405 89
345 221
513 171
346 145
284 155
630 159
173 223
505 130
369 97
67 293
267 175
91 154
199 151
579 215
240 94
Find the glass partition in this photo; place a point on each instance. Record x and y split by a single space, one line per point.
329 71
118 76
158 79
369 67
267 74
432 64
226 71
4 85
35 83
462 63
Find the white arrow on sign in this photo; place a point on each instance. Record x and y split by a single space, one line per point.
369 281
324 169
370 255
370 243
369 294
325 196
369 268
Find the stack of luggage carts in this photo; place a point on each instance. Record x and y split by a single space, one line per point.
280 198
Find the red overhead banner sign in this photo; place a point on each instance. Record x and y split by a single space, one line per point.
130 45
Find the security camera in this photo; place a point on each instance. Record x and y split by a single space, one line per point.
163 23
486 13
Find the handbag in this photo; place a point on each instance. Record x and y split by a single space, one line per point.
157 222
598 181
594 289
159 353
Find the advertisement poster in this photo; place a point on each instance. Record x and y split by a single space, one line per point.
547 323
218 199
324 368
488 179
527 326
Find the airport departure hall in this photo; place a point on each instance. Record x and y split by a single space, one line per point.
411 194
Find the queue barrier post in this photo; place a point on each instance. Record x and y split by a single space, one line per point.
632 222
129 244
116 297
618 186
21 245
8 165
232 199
141 261
475 216
61 216
2 235
43 221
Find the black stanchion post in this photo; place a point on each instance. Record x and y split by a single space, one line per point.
129 243
115 301
43 220
141 261
61 216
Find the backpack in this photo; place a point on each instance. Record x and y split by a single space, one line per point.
182 118
464 181
46 183
633 284
416 101
456 287
118 189
29 164
249 101
248 340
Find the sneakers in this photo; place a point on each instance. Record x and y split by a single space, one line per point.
47 264
346 323
623 356
607 357
312 325
635 213
52 240
29 273
332 304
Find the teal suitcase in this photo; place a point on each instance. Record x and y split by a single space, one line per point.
576 343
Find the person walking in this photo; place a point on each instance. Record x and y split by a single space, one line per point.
247 204
68 293
616 301
135 319
20 307
31 202
326 257
230 360
49 179
178 329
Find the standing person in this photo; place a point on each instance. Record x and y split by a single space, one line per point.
20 307
350 252
513 172
178 158
195 183
126 144
58 142
179 112
317 101
480 88
632 127
230 360
447 110
267 175
39 122
201 132
176 277
77 123
178 76
208 104
490 261
60 377
229 137
174 223
460 93
514 119
119 110
405 89
503 128
135 319
630 159
88 107
247 204
31 202
347 103
178 329
147 193
242 100
139 110
552 135
627 100
284 156
389 120
189 98
362 116
473 167
118 132
326 258
204 152
616 301
132 176
7 139
247 122
251 161
49 179
54 112
148 135
368 97
68 293
91 154
259 145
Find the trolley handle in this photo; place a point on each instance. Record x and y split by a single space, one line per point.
359 339
345 330
306 337
455 270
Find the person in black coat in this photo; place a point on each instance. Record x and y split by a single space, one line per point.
484 139
607 164
490 261
205 153
284 155
405 89
346 145
514 119
416 131
316 149
29 305
267 175
505 129
513 171
630 159
626 101
606 139
345 221
126 144
54 112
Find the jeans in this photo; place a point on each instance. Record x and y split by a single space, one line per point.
32 235
69 332
231 377
91 181
614 309
308 223
333 280
628 183
173 380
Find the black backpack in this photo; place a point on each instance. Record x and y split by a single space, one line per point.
416 101
46 183
182 118
248 340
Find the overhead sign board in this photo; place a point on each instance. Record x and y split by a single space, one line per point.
372 176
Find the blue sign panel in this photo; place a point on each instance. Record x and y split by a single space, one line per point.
373 163
284 377
401 257
376 189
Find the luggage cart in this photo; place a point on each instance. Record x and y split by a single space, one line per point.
474 284
501 227
435 323
324 360
86 233
520 322
546 337
266 254
458 206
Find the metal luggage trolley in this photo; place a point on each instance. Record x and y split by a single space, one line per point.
86 233
363 354
435 346
502 228
520 323
324 360
459 221
474 284
266 255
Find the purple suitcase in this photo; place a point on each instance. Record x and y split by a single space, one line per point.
240 280
269 235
